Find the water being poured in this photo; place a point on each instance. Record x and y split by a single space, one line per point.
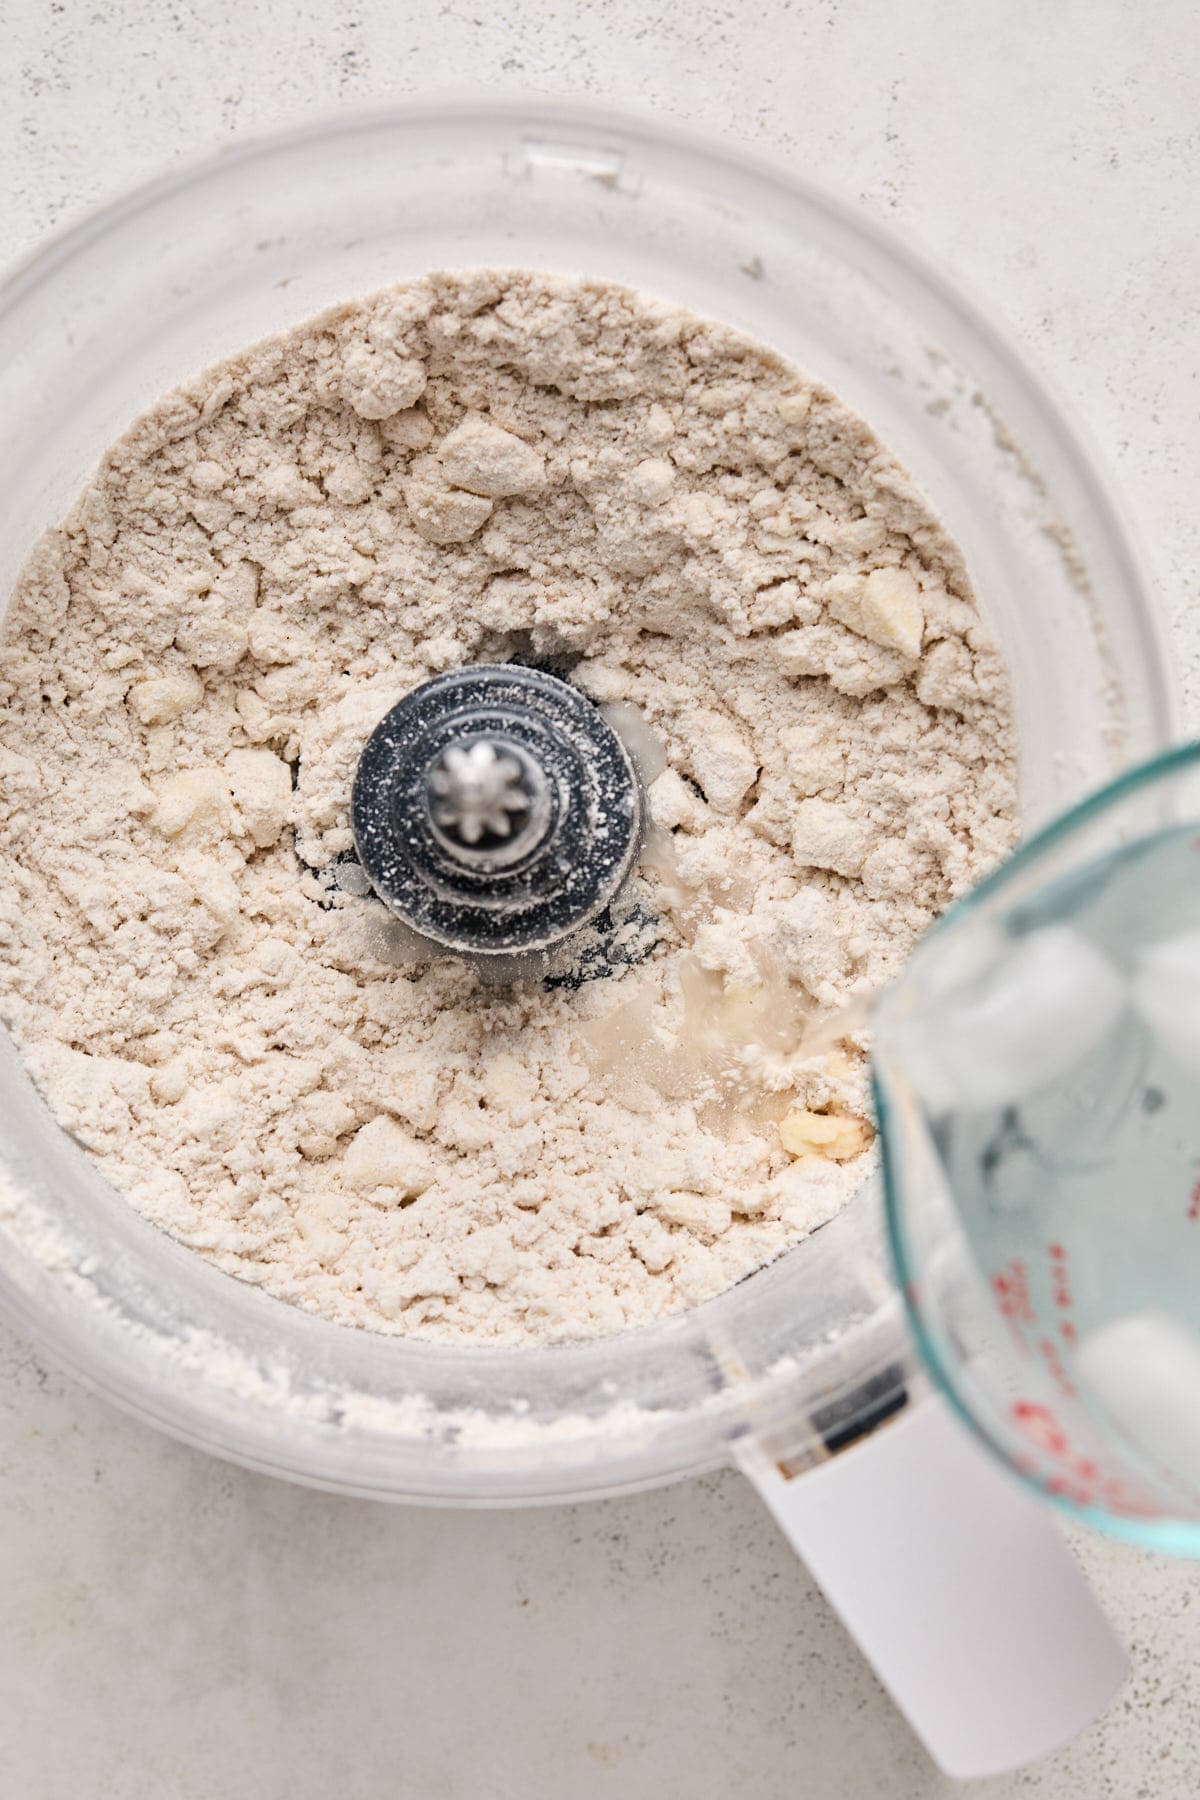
730 1048
717 1046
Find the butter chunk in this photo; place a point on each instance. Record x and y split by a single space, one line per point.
508 1082
442 514
826 835
261 785
672 802
652 480
723 763
805 939
164 697
948 678
324 1118
485 459
794 408
378 383
886 609
383 1155
707 1218
210 640
411 429
838 1137
288 488
195 802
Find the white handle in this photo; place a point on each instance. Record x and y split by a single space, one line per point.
957 1587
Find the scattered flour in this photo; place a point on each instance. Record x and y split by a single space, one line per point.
476 467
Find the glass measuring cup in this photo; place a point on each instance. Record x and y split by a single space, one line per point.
1038 1089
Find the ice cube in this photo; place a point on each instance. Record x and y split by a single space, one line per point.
1166 992
1002 1037
1144 1369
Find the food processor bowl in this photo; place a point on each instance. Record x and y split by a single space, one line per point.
804 1355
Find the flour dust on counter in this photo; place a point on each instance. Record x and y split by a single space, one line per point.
484 467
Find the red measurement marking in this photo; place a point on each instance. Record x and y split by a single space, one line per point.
1010 1288
1040 1426
1067 1332
1060 1284
1114 1495
1062 1381
1077 1478
1193 1211
1081 1492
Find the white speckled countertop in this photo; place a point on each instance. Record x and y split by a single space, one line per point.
173 1629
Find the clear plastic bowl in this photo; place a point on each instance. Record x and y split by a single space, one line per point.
812 1350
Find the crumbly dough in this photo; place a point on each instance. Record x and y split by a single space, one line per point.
478 467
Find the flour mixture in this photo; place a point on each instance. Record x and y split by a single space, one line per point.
483 468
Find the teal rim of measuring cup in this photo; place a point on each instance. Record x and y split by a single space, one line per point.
1170 1536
